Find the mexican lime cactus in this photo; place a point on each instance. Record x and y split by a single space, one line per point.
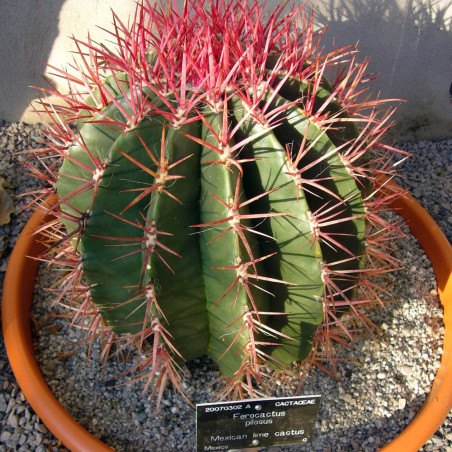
215 175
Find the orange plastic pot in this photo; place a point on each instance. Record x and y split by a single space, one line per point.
17 300
16 307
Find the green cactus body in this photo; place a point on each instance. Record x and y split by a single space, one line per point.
216 195
182 302
101 245
115 85
98 139
200 292
297 257
221 251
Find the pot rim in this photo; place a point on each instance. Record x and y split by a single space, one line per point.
431 238
17 300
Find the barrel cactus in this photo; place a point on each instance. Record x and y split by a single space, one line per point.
215 174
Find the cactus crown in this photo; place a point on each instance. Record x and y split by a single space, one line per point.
215 192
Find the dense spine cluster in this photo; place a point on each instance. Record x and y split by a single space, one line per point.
215 191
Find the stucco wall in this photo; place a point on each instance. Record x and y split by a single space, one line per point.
409 42
35 32
410 46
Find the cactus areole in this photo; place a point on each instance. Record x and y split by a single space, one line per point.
215 181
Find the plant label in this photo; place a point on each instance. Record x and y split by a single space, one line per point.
256 423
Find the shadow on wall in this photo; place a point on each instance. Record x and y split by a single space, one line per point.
410 45
27 33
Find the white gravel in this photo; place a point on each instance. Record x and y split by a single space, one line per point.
382 388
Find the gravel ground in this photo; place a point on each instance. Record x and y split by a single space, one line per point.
380 392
